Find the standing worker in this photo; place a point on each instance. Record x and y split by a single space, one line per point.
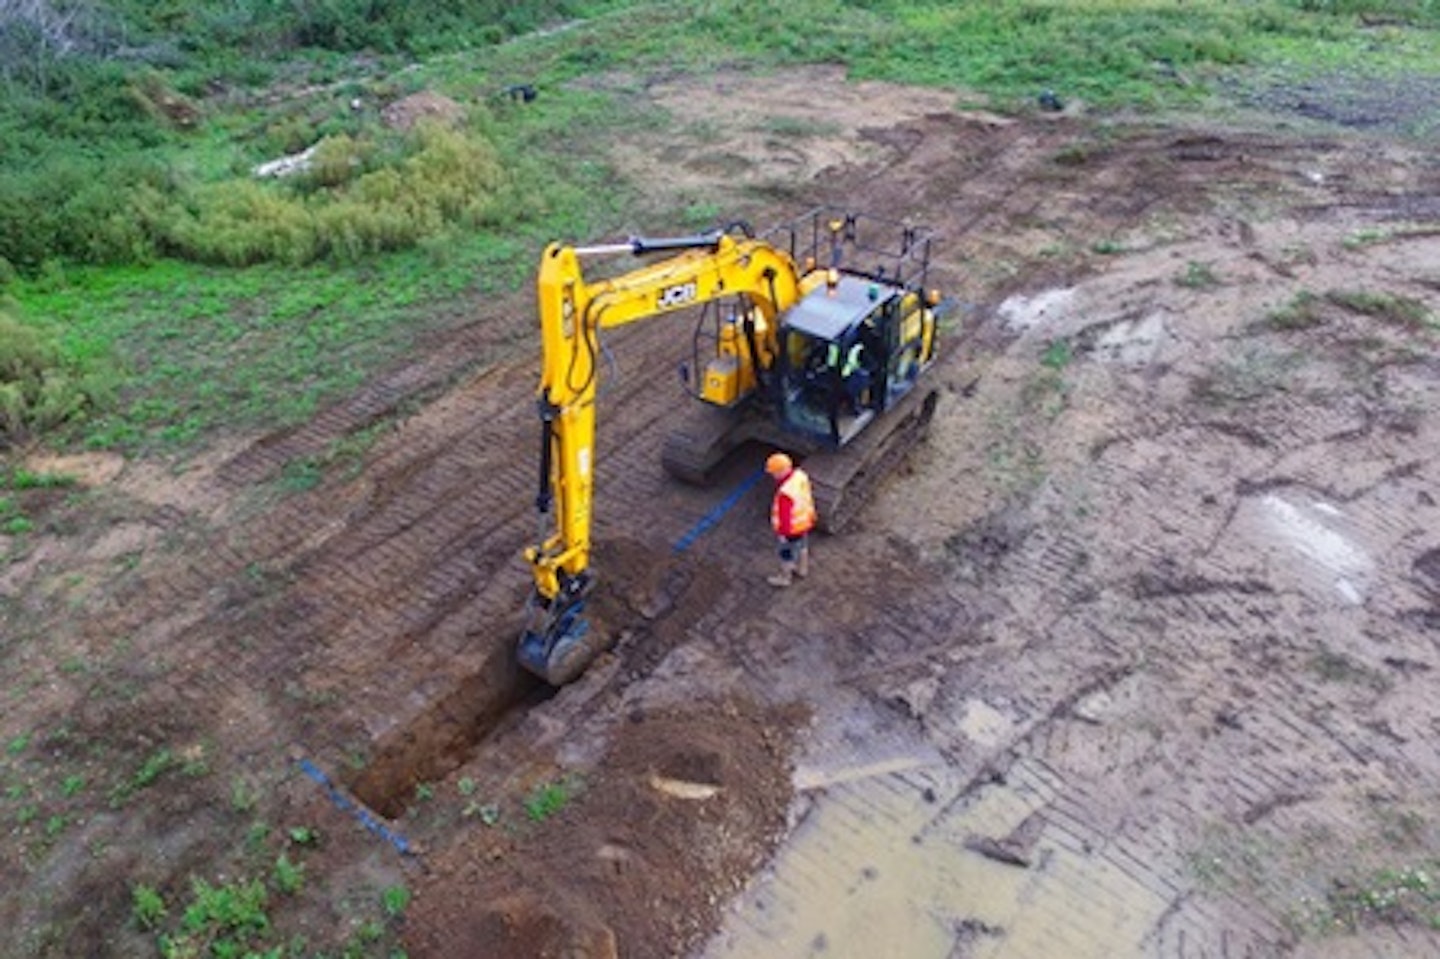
792 516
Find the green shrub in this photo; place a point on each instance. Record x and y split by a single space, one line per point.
442 178
395 899
548 799
39 389
236 908
241 222
338 160
148 906
80 207
1404 311
289 876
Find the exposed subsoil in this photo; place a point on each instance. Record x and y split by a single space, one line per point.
1135 657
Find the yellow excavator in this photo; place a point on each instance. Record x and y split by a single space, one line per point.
813 338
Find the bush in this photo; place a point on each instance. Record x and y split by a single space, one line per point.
441 178
239 223
39 389
78 207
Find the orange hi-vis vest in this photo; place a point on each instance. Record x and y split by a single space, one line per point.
795 488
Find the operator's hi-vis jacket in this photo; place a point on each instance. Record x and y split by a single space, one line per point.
792 511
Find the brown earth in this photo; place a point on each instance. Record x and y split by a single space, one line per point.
1135 657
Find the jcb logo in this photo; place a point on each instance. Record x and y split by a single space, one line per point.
677 295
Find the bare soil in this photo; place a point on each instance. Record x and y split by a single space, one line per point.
1135 657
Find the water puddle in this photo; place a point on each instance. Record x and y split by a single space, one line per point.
905 859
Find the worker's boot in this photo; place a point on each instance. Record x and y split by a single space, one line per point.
803 568
783 578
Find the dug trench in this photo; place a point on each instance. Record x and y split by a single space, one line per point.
641 607
654 807
446 734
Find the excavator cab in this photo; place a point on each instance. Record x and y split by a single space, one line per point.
850 348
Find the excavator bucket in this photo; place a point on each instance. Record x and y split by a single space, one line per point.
559 644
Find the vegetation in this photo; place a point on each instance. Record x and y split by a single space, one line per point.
1197 276
395 900
1307 309
1302 312
148 256
1402 311
1408 895
154 766
149 906
549 798
41 387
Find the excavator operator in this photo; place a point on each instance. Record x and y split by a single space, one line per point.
792 517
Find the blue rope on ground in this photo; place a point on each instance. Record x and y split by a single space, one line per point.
708 521
349 805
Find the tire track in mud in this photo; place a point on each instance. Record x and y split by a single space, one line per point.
1180 830
447 543
373 589
1284 721
373 594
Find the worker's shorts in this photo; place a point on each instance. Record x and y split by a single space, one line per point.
792 546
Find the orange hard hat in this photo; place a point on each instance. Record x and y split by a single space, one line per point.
778 464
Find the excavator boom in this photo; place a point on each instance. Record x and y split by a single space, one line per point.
558 643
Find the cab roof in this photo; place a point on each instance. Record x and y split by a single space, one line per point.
828 312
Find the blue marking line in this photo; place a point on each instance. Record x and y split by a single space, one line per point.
349 805
708 521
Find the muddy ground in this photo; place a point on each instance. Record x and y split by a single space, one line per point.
1136 657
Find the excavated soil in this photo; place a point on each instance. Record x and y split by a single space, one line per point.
1135 657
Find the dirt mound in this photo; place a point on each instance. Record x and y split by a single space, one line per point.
684 807
522 926
403 114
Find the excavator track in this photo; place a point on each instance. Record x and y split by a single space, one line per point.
843 480
704 436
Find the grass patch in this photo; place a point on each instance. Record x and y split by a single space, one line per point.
20 479
1251 374
155 765
1302 313
548 799
304 289
395 900
1373 236
1408 895
1405 312
1197 276
205 348
1058 354
148 906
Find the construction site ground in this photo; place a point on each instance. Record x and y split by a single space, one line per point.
1136 656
